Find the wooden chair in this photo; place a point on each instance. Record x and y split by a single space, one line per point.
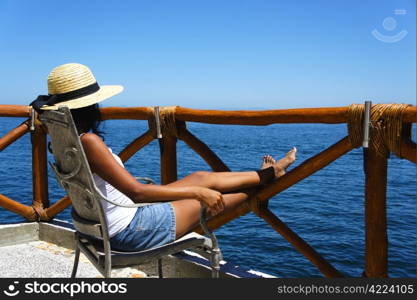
92 238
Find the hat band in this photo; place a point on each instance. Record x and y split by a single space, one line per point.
58 98
85 91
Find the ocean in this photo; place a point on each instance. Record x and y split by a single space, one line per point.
326 209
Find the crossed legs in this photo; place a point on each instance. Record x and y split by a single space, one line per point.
187 211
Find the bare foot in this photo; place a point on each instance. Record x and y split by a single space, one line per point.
267 161
281 165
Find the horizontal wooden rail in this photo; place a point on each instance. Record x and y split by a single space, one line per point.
129 113
330 115
263 117
14 110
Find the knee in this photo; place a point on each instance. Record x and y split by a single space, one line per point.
204 177
202 174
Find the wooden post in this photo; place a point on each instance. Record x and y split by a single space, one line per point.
168 148
39 167
376 238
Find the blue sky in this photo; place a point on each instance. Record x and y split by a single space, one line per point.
215 54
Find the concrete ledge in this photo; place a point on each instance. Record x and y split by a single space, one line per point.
57 234
12 234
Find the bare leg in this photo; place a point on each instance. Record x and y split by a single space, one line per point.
232 181
187 211
220 181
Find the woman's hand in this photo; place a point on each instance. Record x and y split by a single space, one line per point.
211 199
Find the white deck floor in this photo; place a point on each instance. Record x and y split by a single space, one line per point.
45 250
40 259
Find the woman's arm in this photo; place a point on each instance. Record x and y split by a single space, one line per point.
102 163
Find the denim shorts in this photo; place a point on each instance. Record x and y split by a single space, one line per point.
153 225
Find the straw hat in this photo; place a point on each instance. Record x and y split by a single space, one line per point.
74 85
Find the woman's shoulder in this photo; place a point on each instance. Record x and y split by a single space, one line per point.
91 140
89 136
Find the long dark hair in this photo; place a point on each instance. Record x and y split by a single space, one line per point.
87 119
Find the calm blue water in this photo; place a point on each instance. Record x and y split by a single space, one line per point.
325 209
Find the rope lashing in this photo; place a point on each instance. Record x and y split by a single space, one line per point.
167 120
168 124
40 211
387 127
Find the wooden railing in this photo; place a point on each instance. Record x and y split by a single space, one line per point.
173 127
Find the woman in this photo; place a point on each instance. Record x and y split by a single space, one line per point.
133 229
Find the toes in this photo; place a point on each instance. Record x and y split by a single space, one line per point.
292 154
264 162
268 160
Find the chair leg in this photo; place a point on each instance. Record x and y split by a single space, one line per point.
215 263
107 272
107 267
76 260
160 273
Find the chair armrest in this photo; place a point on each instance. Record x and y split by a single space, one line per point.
215 245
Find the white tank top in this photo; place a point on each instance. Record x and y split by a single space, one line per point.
118 218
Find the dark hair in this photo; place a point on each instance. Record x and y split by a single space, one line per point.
87 119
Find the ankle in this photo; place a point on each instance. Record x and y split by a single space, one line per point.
266 175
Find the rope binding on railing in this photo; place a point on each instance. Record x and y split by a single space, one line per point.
387 127
166 120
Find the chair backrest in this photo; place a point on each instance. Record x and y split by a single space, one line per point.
73 172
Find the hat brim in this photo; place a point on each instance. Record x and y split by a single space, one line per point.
105 91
